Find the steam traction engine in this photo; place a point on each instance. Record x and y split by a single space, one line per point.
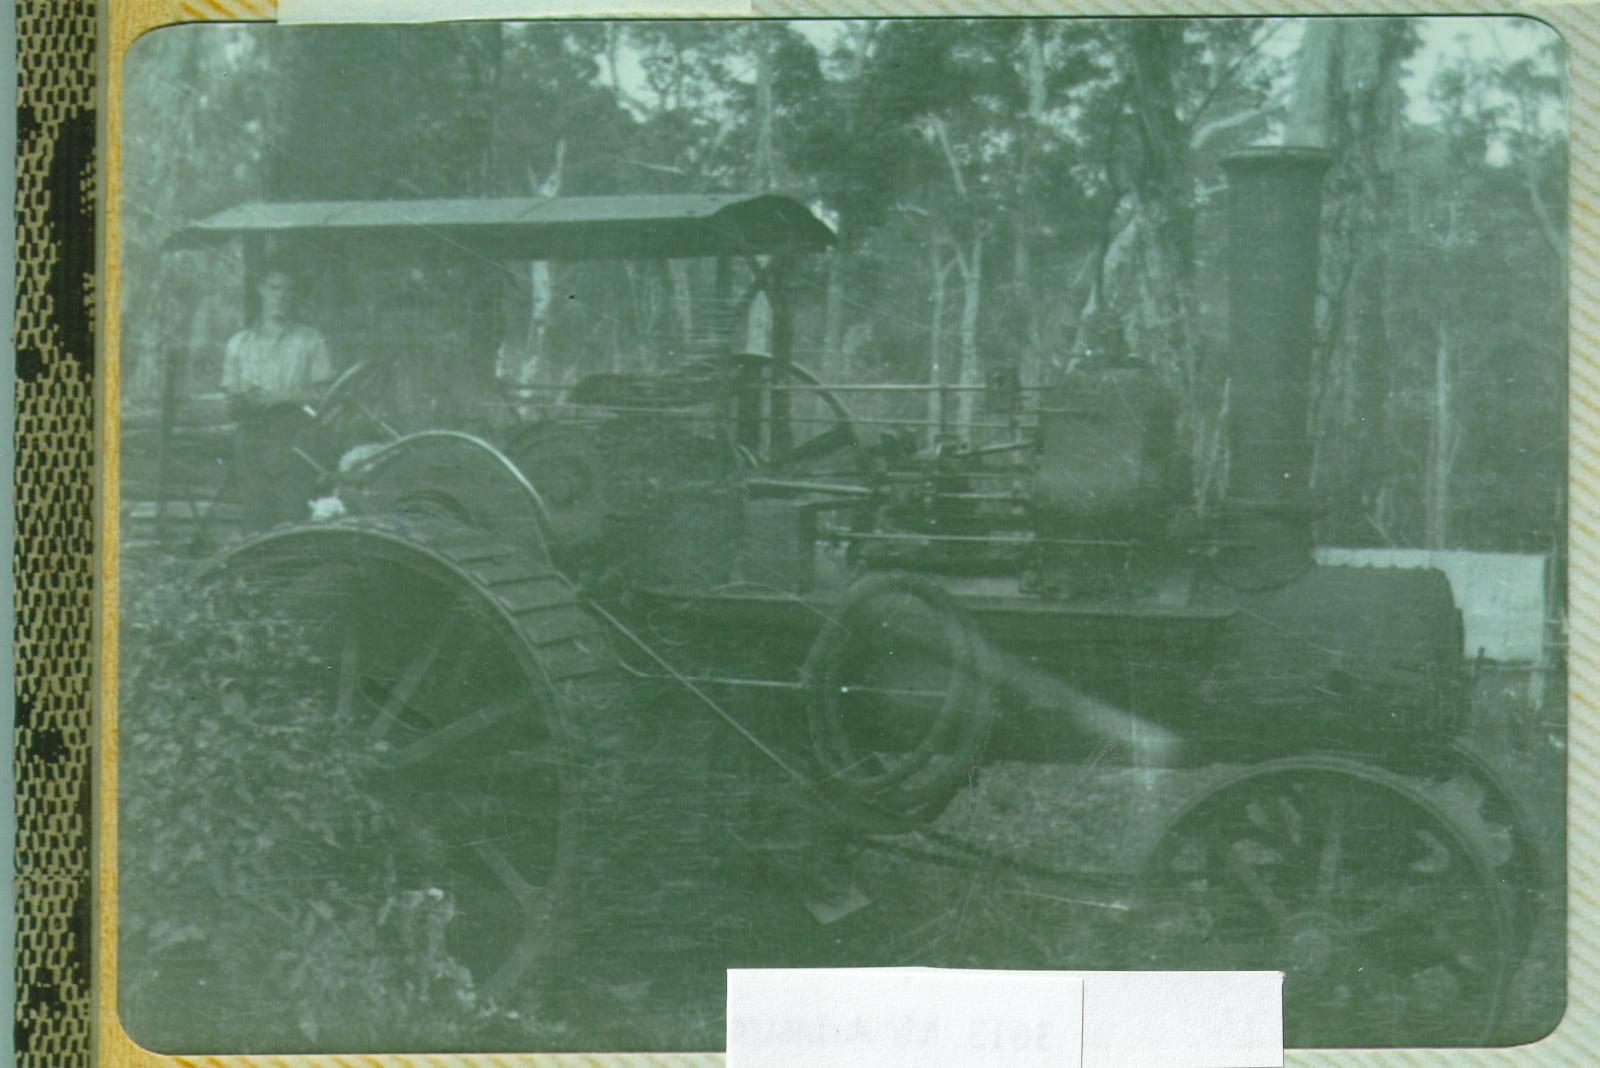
922 612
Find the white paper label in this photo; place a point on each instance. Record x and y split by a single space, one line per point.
930 1018
903 1018
1182 1019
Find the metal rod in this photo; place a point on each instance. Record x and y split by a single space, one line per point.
688 414
888 421
845 490
880 387
706 699
302 454
799 486
1095 891
383 424
908 475
988 539
944 495
789 687
714 680
831 387
1005 446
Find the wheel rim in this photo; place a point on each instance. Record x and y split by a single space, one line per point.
1386 919
452 724
1466 784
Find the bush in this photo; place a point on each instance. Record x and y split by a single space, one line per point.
259 903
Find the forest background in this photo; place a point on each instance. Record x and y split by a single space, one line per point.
1001 190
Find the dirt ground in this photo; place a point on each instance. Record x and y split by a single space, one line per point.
691 881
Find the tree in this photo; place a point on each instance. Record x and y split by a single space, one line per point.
1348 101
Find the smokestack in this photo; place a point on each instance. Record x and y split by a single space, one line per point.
1274 211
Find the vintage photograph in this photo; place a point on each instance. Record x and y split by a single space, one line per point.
602 503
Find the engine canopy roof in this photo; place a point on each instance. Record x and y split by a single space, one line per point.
538 228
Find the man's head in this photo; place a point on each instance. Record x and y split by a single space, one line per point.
277 294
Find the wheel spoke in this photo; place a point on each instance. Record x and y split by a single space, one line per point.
529 942
1291 820
1331 857
1250 877
826 443
1398 905
415 674
524 893
437 741
528 947
349 664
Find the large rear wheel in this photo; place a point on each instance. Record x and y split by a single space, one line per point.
447 656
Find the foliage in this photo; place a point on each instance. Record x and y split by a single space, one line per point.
253 881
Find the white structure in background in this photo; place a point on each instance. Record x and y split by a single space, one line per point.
1503 596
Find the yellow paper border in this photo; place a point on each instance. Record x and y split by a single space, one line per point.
1575 1043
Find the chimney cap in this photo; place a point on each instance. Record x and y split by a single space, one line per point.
1261 158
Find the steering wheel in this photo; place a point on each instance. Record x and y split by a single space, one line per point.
350 408
777 448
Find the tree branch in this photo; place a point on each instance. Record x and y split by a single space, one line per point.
1226 77
1202 135
941 134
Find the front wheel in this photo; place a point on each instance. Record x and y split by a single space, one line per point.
1383 911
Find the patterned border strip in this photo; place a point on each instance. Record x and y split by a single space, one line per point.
53 559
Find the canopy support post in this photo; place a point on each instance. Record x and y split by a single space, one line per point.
172 376
255 265
722 311
780 298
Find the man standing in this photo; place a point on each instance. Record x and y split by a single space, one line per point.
278 360
270 373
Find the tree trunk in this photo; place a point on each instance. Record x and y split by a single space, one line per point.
1356 72
936 415
1165 188
766 163
1367 419
971 376
529 365
1030 361
1441 443
682 304
833 325
1025 216
1311 100
835 361
1165 206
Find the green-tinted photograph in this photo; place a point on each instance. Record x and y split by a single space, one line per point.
603 503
